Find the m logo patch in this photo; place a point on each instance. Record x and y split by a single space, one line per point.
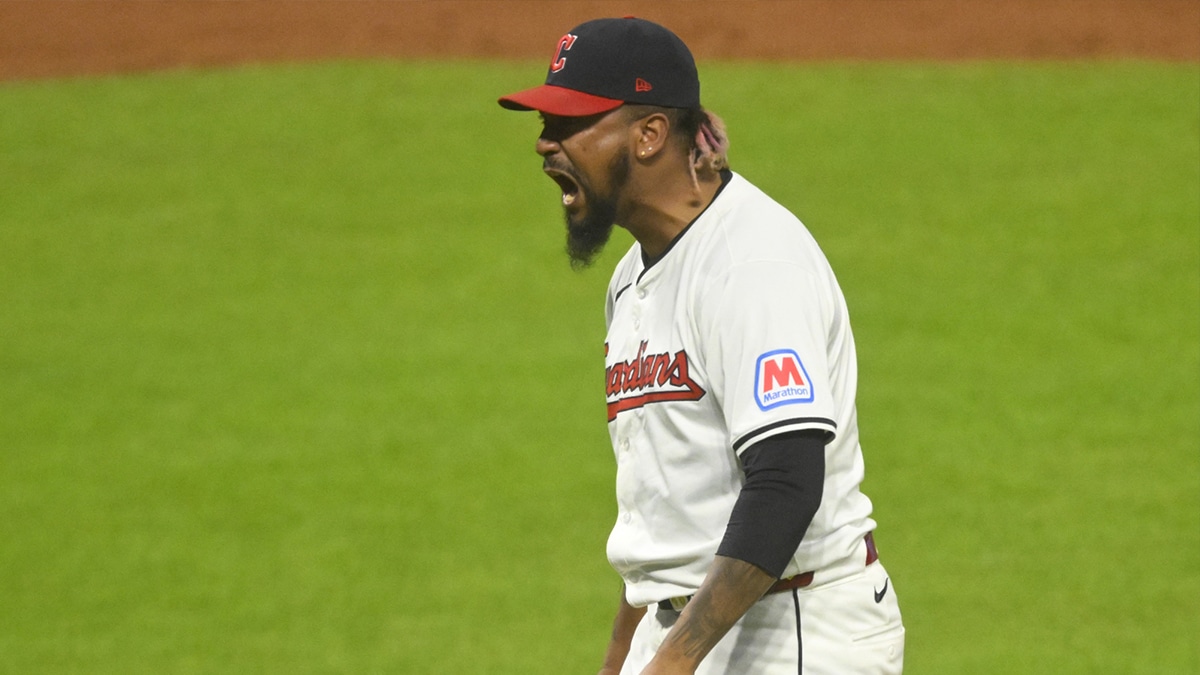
780 379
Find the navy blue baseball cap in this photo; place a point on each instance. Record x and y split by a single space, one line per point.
601 64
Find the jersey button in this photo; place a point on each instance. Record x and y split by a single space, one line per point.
641 293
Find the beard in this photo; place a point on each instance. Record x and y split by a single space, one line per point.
588 230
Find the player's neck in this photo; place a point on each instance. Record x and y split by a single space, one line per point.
656 215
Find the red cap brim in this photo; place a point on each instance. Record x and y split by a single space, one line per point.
559 101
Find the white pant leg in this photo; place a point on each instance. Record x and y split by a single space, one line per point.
763 642
650 633
845 630
842 630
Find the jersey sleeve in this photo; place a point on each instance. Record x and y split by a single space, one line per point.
764 327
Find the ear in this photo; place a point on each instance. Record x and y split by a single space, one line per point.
650 135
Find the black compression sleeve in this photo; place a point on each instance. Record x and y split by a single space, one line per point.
785 475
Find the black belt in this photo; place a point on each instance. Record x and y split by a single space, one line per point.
791 583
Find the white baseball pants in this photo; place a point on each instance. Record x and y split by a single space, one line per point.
832 628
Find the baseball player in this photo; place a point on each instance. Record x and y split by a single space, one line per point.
742 538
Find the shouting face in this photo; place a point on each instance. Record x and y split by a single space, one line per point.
589 158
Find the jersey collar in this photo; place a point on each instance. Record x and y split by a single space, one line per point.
648 262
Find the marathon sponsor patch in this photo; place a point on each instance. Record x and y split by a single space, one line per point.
780 379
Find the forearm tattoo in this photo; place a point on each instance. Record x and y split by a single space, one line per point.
731 588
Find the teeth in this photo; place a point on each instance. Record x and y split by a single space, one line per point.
568 199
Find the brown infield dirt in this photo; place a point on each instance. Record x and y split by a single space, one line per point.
55 38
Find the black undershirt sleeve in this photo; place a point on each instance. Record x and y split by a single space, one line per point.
785 475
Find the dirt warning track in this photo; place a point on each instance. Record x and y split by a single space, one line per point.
48 38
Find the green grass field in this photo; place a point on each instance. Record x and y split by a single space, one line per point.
294 376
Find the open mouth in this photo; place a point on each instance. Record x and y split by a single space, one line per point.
570 188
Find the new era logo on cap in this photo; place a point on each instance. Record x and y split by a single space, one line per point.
601 64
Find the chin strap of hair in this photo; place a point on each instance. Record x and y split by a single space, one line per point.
710 153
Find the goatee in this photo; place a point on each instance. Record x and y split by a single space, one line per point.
589 231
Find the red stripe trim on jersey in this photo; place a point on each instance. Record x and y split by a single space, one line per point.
633 403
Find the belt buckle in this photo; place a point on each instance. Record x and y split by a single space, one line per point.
679 603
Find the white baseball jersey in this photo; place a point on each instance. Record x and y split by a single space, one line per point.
740 332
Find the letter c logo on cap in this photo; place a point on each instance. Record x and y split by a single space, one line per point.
564 45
